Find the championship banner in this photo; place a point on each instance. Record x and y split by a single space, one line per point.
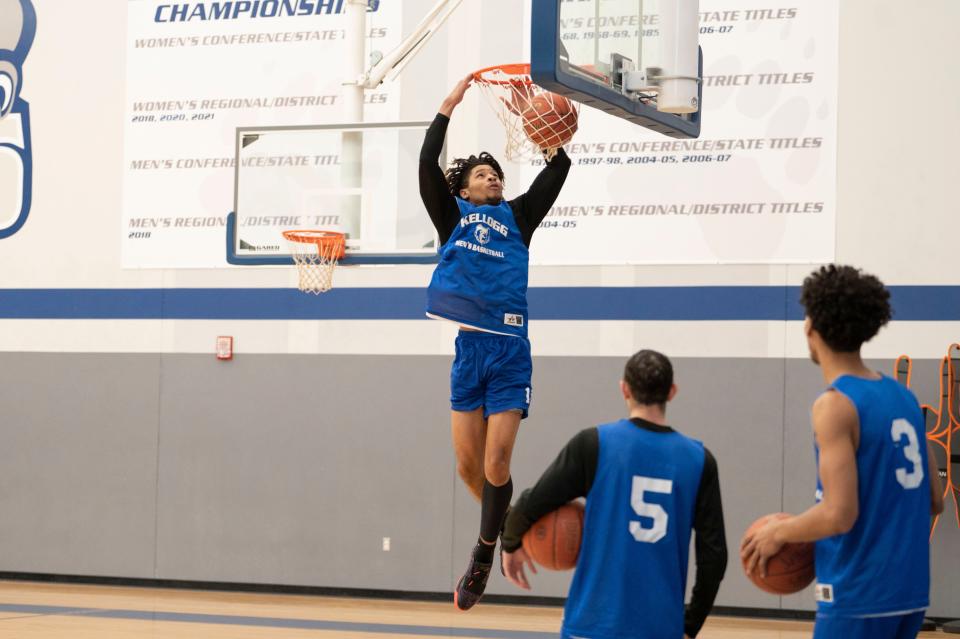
758 186
196 71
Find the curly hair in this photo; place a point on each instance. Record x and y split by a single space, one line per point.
846 306
459 172
649 375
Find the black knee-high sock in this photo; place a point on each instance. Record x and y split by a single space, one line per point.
493 506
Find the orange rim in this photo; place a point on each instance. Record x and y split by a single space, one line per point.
518 74
322 239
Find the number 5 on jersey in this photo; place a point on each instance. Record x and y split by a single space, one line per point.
655 512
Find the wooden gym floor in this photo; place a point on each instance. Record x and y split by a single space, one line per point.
56 611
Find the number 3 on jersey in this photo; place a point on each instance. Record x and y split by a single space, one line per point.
655 512
911 451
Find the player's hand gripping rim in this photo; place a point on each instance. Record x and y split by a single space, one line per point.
456 95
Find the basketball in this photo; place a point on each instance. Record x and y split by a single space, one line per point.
554 540
788 571
550 120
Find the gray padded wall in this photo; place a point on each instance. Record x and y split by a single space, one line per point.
78 463
291 469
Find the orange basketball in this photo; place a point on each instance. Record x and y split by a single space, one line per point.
549 120
788 571
554 540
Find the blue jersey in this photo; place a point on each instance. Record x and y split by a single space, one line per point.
882 565
632 569
481 280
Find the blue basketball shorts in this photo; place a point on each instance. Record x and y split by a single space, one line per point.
492 371
893 627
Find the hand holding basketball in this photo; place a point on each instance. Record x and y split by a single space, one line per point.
554 540
513 567
772 565
521 98
759 544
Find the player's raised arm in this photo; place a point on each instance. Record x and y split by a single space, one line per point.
456 96
434 191
546 186
534 205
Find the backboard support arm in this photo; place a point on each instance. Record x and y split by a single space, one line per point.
393 63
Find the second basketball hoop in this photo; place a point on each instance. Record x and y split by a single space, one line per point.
316 254
536 121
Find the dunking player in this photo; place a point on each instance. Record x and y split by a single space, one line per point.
647 486
481 284
876 479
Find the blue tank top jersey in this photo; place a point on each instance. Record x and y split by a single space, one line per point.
882 565
481 280
631 574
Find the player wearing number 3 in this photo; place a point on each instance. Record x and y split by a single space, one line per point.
647 487
876 481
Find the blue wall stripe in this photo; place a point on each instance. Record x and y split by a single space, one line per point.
279 622
702 303
663 303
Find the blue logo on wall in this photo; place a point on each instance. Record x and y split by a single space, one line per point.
17 29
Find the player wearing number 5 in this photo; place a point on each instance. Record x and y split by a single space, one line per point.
876 480
647 487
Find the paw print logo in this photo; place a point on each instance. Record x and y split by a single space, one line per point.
17 28
482 234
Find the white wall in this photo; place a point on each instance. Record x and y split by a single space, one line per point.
894 178
896 203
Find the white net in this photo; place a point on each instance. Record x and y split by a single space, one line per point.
537 122
316 254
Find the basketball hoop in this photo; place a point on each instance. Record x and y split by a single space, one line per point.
316 254
536 121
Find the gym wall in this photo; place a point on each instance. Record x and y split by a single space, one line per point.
130 451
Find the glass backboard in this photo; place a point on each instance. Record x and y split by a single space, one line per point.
636 59
356 179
